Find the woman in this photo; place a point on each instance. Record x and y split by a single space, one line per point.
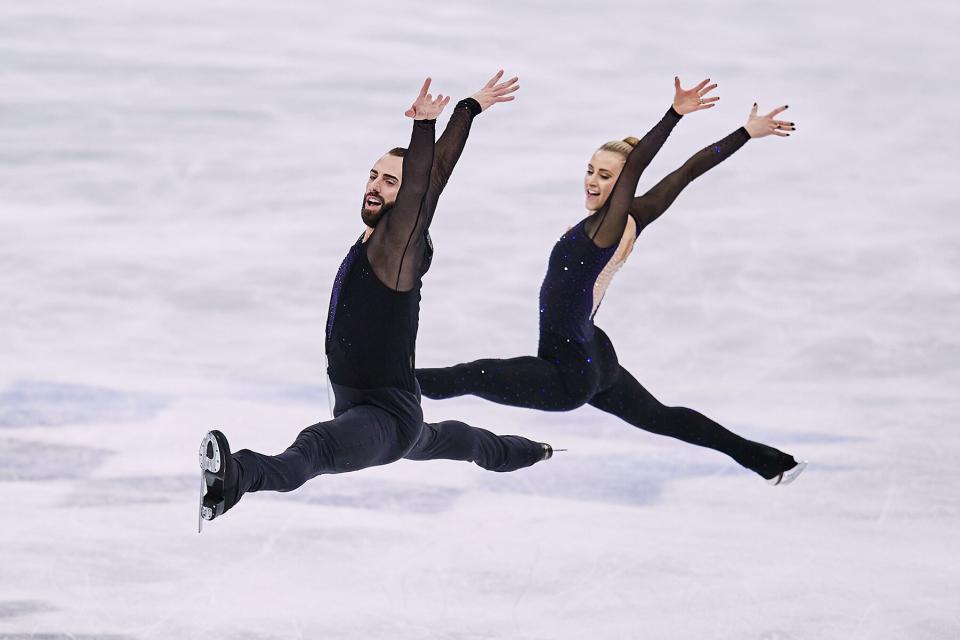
576 363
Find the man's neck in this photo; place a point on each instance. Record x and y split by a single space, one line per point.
367 233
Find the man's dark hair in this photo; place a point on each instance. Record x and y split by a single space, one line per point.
397 151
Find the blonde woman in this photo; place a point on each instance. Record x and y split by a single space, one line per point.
576 363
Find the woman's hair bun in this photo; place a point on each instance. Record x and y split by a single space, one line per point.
623 147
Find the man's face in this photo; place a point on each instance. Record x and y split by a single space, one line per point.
382 187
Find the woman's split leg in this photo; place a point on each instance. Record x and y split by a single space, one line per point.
629 400
529 382
454 440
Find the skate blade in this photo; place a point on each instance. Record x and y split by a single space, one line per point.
210 463
786 477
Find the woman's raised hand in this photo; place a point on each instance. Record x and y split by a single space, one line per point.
495 91
425 107
760 126
689 100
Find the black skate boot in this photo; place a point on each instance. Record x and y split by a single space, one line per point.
548 451
219 479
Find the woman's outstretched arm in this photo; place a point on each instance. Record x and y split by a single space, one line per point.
654 202
606 227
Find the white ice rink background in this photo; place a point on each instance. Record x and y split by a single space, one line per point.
180 180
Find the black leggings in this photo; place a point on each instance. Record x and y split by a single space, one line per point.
566 374
366 435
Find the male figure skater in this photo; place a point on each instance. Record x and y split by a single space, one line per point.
371 334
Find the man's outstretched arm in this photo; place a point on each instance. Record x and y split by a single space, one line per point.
454 138
402 227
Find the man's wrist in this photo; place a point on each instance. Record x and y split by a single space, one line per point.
471 104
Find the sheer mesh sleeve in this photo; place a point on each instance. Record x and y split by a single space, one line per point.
654 202
449 147
393 249
400 247
606 227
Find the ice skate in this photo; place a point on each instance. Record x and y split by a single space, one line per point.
218 477
548 451
789 475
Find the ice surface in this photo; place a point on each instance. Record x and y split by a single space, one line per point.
179 181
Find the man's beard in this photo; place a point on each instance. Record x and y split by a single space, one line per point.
371 218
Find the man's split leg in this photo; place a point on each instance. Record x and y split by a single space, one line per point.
363 436
359 437
454 440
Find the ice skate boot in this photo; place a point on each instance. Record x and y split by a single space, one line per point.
219 481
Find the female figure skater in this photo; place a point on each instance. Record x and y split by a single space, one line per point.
576 363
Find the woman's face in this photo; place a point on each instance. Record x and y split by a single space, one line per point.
602 173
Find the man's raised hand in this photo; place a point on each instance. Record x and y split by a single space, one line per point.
426 107
495 91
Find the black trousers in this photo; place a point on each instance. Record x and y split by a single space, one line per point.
566 374
373 427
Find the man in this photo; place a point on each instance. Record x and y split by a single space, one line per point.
371 334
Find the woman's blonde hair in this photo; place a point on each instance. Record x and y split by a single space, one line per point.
623 147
